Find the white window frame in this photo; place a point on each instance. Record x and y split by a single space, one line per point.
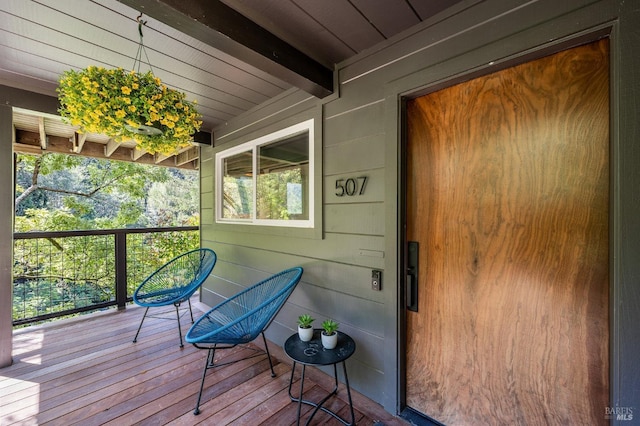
305 126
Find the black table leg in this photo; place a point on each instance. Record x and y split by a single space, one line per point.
346 382
319 405
293 398
312 353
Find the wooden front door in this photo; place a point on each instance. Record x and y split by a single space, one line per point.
508 199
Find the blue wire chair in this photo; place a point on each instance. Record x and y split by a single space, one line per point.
241 318
175 282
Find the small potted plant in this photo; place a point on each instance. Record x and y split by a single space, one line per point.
329 334
305 331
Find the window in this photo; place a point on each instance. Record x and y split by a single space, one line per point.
268 181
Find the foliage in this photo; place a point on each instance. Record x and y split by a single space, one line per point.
238 197
147 252
329 326
175 204
54 194
274 198
43 219
62 273
305 320
273 201
105 101
56 274
73 193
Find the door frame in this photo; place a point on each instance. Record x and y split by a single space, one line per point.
603 31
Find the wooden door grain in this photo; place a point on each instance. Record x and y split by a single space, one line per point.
508 197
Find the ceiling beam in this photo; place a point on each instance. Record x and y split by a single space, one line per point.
137 153
221 27
43 133
28 142
78 140
160 157
19 98
188 155
110 147
27 149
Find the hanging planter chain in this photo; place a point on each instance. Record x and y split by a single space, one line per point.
141 48
142 129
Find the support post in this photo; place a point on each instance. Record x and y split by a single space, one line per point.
6 234
121 269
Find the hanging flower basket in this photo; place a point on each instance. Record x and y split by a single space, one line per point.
128 106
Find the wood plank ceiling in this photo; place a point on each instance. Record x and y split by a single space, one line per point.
229 55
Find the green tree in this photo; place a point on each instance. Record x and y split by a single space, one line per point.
99 193
56 192
176 200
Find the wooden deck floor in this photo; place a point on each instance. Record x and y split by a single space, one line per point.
87 371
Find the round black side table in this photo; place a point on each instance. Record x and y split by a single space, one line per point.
312 353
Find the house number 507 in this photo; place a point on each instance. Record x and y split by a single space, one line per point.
351 186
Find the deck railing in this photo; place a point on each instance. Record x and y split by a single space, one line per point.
57 274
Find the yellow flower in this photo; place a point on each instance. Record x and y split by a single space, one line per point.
99 100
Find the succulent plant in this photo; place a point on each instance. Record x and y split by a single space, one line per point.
329 326
305 320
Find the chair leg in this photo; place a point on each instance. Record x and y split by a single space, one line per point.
208 364
190 311
266 348
135 339
177 305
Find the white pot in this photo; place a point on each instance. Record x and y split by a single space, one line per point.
305 334
329 342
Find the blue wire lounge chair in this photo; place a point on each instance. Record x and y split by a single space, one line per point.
174 283
241 318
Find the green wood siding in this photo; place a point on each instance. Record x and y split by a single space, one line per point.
361 135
